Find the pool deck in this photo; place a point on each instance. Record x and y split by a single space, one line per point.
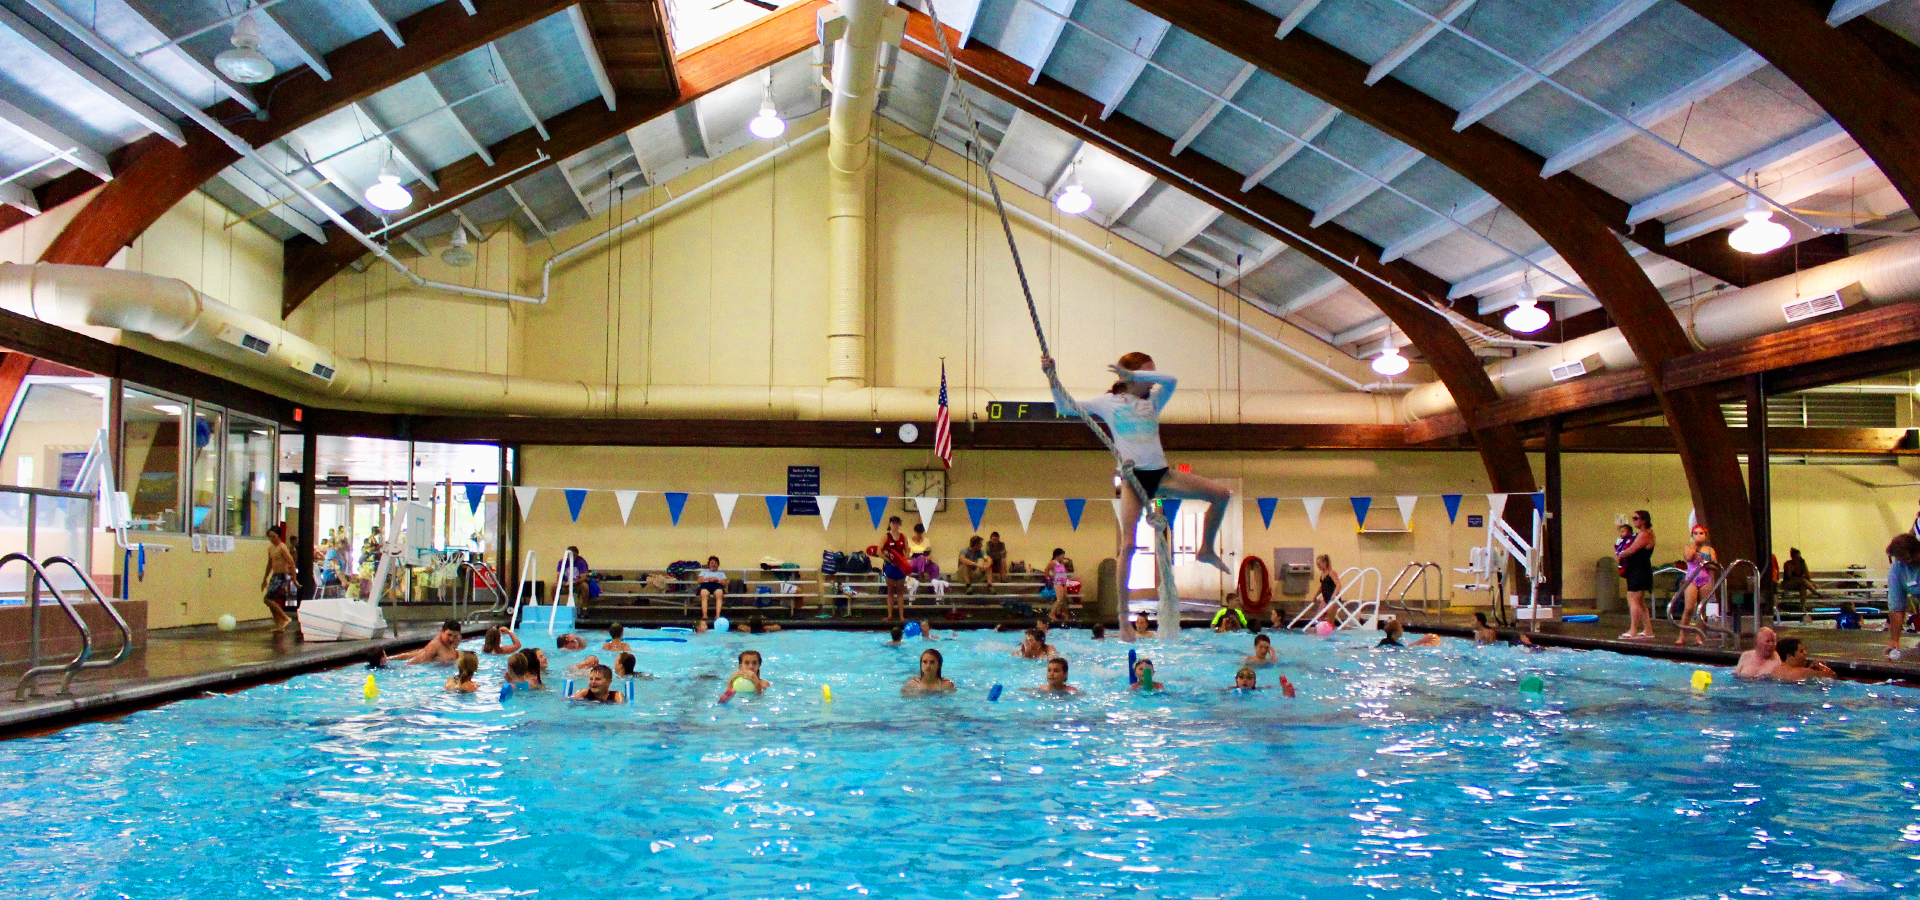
182 662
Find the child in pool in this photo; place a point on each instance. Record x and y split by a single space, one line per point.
570 642
1034 645
1142 626
757 624
1143 677
584 666
1263 654
599 688
1244 681
896 636
614 634
926 633
1056 679
750 670
1099 632
376 658
623 667
532 669
495 641
464 669
930 680
1394 630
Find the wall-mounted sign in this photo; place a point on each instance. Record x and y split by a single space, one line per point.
1476 521
1023 412
803 485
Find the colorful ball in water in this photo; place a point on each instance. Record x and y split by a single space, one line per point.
721 623
1324 629
743 683
1532 684
226 622
1702 679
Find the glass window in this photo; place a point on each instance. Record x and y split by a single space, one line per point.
208 425
251 476
54 425
151 450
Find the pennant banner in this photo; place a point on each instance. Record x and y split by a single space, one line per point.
776 507
877 508
1116 513
1496 507
625 499
726 502
1024 506
576 498
1171 505
1267 506
476 492
1452 502
1360 507
1313 505
826 505
1540 502
1406 502
926 506
1075 506
525 496
676 502
976 510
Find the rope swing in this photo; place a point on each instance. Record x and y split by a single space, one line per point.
1169 624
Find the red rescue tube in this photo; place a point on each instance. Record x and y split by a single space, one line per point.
1256 585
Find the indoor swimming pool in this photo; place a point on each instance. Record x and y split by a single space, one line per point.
1410 773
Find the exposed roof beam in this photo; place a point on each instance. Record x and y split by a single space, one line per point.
1861 73
1259 261
1845 11
1362 331
1262 208
1400 54
1808 141
1055 25
1745 63
527 211
460 216
143 16
52 141
1214 109
310 56
154 176
701 71
399 153
940 110
1359 189
1191 230
1499 273
1438 228
274 206
19 198
1135 66
1293 147
453 115
1800 185
1293 19
1312 296
1589 36
149 117
1127 207
574 186
380 21
419 246
519 96
583 32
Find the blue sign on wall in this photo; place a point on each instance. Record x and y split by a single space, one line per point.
803 484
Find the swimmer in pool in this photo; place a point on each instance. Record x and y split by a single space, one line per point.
1056 679
1034 646
1263 654
896 636
623 667
443 650
599 688
750 670
757 624
495 644
462 680
1395 630
1142 626
1763 659
584 666
570 641
1794 664
926 633
930 680
614 634
518 674
1245 681
1143 677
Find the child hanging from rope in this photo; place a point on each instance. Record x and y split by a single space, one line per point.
1131 410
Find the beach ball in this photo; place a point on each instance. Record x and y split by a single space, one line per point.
227 623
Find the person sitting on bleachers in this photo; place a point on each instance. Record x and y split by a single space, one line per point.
1795 576
975 565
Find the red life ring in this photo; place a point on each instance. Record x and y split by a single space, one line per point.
1255 601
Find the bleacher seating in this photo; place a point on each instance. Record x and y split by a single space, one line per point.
626 596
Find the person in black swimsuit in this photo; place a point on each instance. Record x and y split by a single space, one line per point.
1329 585
1636 562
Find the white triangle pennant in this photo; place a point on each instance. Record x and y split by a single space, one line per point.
926 506
524 496
1406 502
625 499
1313 505
826 505
1024 506
1496 507
726 502
1116 513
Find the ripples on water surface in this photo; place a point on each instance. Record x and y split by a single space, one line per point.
1393 774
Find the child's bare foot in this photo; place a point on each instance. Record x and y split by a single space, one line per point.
1207 556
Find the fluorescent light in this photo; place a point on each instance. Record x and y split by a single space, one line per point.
1761 234
1074 200
1390 362
388 193
167 408
96 390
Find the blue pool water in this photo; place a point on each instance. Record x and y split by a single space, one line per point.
1420 773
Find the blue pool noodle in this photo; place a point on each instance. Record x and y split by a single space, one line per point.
993 694
1132 657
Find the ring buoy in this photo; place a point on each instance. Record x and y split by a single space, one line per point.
1253 600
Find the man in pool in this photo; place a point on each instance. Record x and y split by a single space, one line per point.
614 634
1763 659
1056 679
1794 664
443 649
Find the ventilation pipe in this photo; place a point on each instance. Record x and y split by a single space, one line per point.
1889 274
855 29
167 309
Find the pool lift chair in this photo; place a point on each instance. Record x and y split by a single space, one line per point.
1488 566
1351 606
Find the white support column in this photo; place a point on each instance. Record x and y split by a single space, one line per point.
1293 146
1745 63
1135 66
51 140
1402 53
1439 228
151 118
1589 36
1359 189
584 34
1214 109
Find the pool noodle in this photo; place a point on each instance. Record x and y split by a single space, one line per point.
1133 656
993 694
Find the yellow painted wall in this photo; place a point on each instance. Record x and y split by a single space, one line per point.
182 587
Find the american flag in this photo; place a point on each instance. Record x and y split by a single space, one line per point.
943 424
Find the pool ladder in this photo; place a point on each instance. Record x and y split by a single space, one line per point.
475 576
1415 573
1718 627
82 660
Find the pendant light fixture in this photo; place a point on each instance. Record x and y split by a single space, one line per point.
1760 234
244 62
388 193
1526 316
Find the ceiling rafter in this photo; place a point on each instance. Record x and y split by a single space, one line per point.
1312 296
514 192
1292 148
310 56
154 120
1215 108
273 206
519 96
1420 39
1561 210
1358 190
53 141
1435 229
154 175
1688 193
1601 27
1135 67
393 146
143 16
583 32
381 21
1647 115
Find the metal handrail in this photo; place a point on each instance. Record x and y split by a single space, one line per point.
21 687
1718 589
528 569
1351 615
119 621
1418 572
467 572
1312 611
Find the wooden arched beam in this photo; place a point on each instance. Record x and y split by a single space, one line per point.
1559 209
1335 248
1863 75
156 175
698 72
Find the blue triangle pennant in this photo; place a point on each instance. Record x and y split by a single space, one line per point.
1171 505
976 510
576 498
877 508
1360 507
1267 506
1540 502
676 501
1453 506
476 491
776 507
1075 507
